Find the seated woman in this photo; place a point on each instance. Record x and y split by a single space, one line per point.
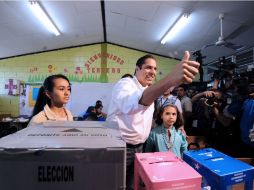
52 97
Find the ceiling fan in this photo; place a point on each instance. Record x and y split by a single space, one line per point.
221 40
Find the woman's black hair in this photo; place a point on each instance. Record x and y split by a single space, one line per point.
179 119
42 98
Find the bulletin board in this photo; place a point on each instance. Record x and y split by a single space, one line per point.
33 93
28 98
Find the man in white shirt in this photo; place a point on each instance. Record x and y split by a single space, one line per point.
132 107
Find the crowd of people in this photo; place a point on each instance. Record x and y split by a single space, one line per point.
160 116
218 114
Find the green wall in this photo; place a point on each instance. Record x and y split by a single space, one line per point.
94 63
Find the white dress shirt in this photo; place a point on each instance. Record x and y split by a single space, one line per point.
134 119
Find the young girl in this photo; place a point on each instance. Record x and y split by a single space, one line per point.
52 97
167 137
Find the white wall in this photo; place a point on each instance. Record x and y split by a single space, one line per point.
84 95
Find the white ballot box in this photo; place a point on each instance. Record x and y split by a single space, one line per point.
76 155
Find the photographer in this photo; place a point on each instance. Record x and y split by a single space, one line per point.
224 79
235 89
205 123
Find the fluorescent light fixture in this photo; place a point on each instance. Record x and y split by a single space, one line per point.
43 17
175 28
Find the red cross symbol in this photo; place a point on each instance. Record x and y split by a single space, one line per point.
10 87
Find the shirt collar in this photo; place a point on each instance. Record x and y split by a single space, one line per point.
172 129
138 83
50 114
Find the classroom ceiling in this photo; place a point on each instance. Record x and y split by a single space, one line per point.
135 24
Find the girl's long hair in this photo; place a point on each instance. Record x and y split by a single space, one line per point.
42 98
179 119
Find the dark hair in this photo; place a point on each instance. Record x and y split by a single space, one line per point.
184 86
98 102
179 119
89 109
127 75
141 61
193 144
42 98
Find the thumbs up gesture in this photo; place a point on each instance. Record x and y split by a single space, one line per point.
186 56
190 68
185 71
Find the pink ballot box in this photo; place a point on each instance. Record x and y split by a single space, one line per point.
164 171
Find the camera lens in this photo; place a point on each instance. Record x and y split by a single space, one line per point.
210 101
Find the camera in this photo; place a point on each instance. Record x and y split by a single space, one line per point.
223 74
211 101
225 69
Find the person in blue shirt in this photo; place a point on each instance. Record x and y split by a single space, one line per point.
167 137
101 116
90 114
